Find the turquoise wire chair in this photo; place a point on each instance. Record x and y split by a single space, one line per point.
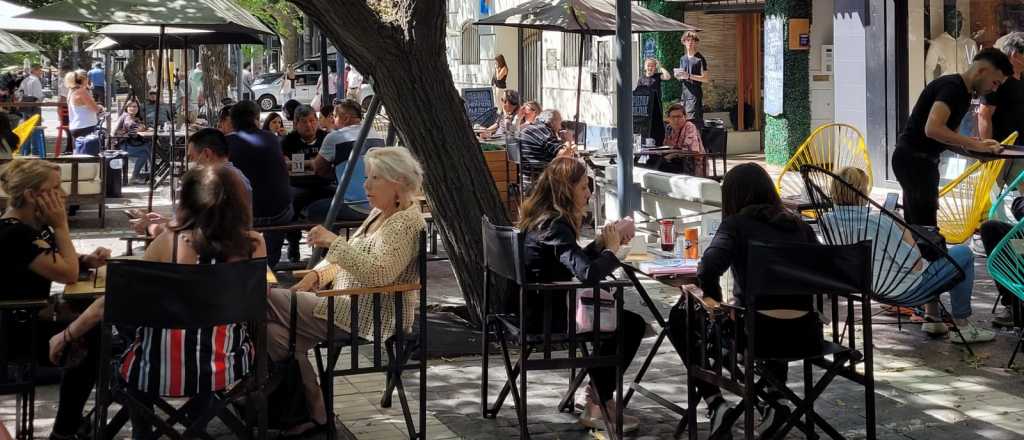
1000 210
1006 265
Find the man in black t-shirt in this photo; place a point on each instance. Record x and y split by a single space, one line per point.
1002 111
932 126
306 137
692 73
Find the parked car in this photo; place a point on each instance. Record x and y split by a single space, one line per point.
267 89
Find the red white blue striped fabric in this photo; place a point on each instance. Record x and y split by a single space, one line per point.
179 362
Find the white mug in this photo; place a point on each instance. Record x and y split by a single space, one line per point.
649 142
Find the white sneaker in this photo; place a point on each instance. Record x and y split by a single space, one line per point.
934 328
971 334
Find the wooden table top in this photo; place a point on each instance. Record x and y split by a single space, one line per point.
96 285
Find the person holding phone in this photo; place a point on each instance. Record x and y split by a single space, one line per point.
36 238
693 73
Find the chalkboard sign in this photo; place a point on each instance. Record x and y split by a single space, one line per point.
774 64
478 101
641 106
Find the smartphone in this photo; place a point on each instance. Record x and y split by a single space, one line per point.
890 201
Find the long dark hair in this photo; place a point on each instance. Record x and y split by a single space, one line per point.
270 118
215 207
500 61
553 196
748 190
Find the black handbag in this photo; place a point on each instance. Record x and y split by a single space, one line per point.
930 242
286 403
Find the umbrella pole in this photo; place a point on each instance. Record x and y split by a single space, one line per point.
186 123
579 85
156 135
173 141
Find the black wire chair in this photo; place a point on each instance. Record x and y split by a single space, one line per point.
903 274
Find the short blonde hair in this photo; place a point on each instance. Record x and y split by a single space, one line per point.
856 178
75 78
20 176
396 164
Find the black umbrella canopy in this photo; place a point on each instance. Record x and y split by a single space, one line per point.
214 15
125 36
592 17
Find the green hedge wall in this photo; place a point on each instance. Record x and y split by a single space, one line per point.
785 132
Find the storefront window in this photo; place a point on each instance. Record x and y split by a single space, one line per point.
944 35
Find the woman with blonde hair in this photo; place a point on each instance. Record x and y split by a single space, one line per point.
650 85
382 251
551 218
38 251
83 112
898 264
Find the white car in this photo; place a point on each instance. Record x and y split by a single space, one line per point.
267 90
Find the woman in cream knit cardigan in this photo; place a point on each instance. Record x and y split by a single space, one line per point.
381 252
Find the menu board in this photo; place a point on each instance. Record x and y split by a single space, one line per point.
641 106
478 101
774 64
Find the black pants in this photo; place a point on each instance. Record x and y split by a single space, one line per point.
632 325
918 175
776 338
274 239
76 386
992 232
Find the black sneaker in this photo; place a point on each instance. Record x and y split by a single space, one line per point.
718 411
773 416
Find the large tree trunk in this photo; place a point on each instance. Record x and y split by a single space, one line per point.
404 53
217 76
290 40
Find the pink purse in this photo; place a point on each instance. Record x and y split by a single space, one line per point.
585 311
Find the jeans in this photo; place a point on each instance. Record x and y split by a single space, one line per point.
939 270
140 154
274 239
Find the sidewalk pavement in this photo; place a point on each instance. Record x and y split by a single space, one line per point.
927 389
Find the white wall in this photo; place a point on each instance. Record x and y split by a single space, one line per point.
821 84
849 58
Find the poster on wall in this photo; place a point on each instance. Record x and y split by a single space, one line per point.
774 64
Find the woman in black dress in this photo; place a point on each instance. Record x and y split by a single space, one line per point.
650 83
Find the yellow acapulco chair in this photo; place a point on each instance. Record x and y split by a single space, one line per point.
830 147
964 202
24 130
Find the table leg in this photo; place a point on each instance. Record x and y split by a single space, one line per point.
635 386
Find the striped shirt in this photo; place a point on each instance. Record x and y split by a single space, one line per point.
187 362
538 146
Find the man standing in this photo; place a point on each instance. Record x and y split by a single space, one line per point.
247 81
1001 111
98 78
195 84
931 127
693 73
32 91
354 81
258 154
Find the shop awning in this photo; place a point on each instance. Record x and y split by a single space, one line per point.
589 17
214 15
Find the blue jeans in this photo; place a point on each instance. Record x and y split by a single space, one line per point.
939 270
140 154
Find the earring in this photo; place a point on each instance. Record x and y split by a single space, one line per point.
397 203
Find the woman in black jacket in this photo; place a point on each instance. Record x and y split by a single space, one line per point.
786 326
551 218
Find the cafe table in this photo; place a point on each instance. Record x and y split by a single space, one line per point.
633 265
96 284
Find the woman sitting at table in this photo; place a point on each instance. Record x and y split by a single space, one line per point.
37 252
382 251
551 218
211 225
274 123
786 326
127 128
83 112
685 136
898 264
507 120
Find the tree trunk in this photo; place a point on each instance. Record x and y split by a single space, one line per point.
404 53
217 76
135 74
290 40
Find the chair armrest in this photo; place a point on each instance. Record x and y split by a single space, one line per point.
300 274
565 285
394 288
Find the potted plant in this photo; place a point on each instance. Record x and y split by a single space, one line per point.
720 102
